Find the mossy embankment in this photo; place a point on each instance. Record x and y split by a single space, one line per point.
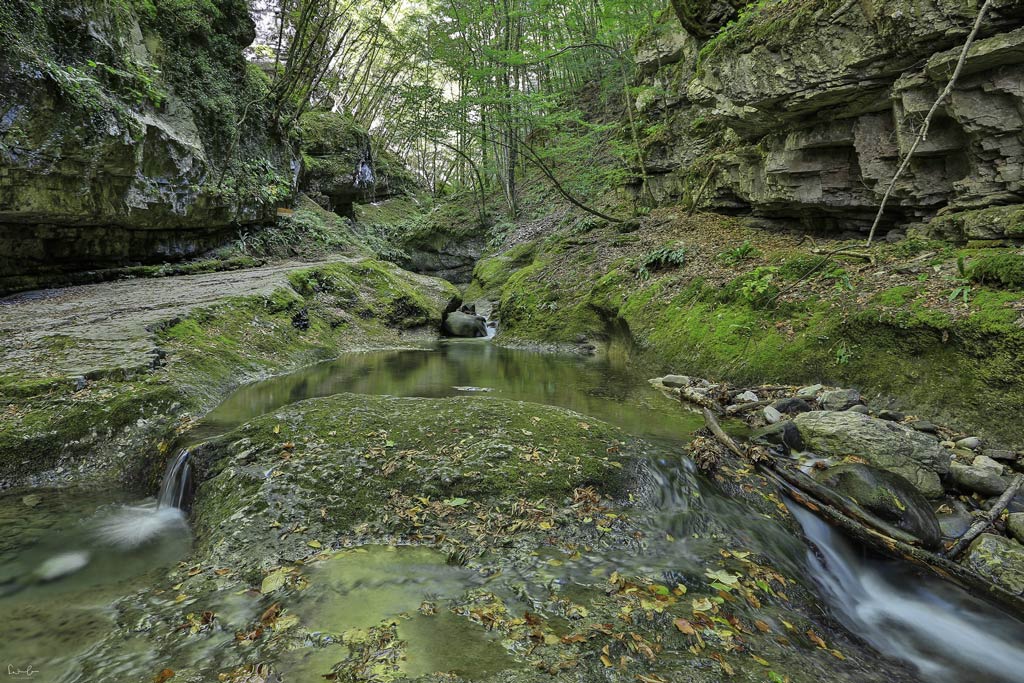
111 401
919 324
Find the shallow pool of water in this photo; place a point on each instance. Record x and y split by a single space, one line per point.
122 548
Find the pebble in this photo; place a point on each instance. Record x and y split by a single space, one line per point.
676 381
809 392
772 415
862 409
747 397
972 442
891 415
924 426
839 399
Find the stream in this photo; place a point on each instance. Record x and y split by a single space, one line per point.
67 555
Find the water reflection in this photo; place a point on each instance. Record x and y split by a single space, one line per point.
601 388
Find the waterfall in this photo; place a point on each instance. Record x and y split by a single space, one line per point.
177 482
945 633
131 526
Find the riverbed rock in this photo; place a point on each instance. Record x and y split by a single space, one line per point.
783 434
459 324
771 415
971 442
839 399
886 495
809 392
792 406
988 463
676 381
998 559
747 397
882 443
973 479
1015 525
1000 454
891 415
954 524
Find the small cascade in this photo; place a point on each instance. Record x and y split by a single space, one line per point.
945 633
177 483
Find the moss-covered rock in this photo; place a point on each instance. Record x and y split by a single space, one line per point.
889 496
999 559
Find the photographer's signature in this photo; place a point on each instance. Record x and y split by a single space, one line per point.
27 672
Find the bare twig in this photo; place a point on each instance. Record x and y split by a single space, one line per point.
985 520
923 133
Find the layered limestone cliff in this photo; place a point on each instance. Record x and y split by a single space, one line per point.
801 110
130 131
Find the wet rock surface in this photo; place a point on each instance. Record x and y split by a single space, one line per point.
887 495
882 443
1000 559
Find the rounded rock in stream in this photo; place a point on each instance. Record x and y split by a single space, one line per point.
459 324
888 496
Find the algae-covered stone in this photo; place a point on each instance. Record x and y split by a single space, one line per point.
458 324
887 495
999 559
1015 525
352 456
884 444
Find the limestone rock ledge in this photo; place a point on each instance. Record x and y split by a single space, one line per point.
801 112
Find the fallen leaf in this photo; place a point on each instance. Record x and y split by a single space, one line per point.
685 626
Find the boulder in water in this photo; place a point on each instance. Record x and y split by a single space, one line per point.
884 444
888 496
999 559
459 324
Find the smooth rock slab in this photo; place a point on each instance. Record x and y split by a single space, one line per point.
999 559
884 444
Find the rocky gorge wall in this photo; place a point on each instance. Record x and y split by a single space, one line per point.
802 110
127 134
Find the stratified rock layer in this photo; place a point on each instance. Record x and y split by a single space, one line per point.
803 110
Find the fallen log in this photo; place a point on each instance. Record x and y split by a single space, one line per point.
876 540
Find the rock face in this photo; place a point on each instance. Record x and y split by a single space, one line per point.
888 496
999 559
887 445
801 115
340 165
115 130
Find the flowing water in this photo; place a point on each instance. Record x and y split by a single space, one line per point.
67 555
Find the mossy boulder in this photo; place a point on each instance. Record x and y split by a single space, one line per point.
998 559
337 160
1003 268
890 446
888 496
